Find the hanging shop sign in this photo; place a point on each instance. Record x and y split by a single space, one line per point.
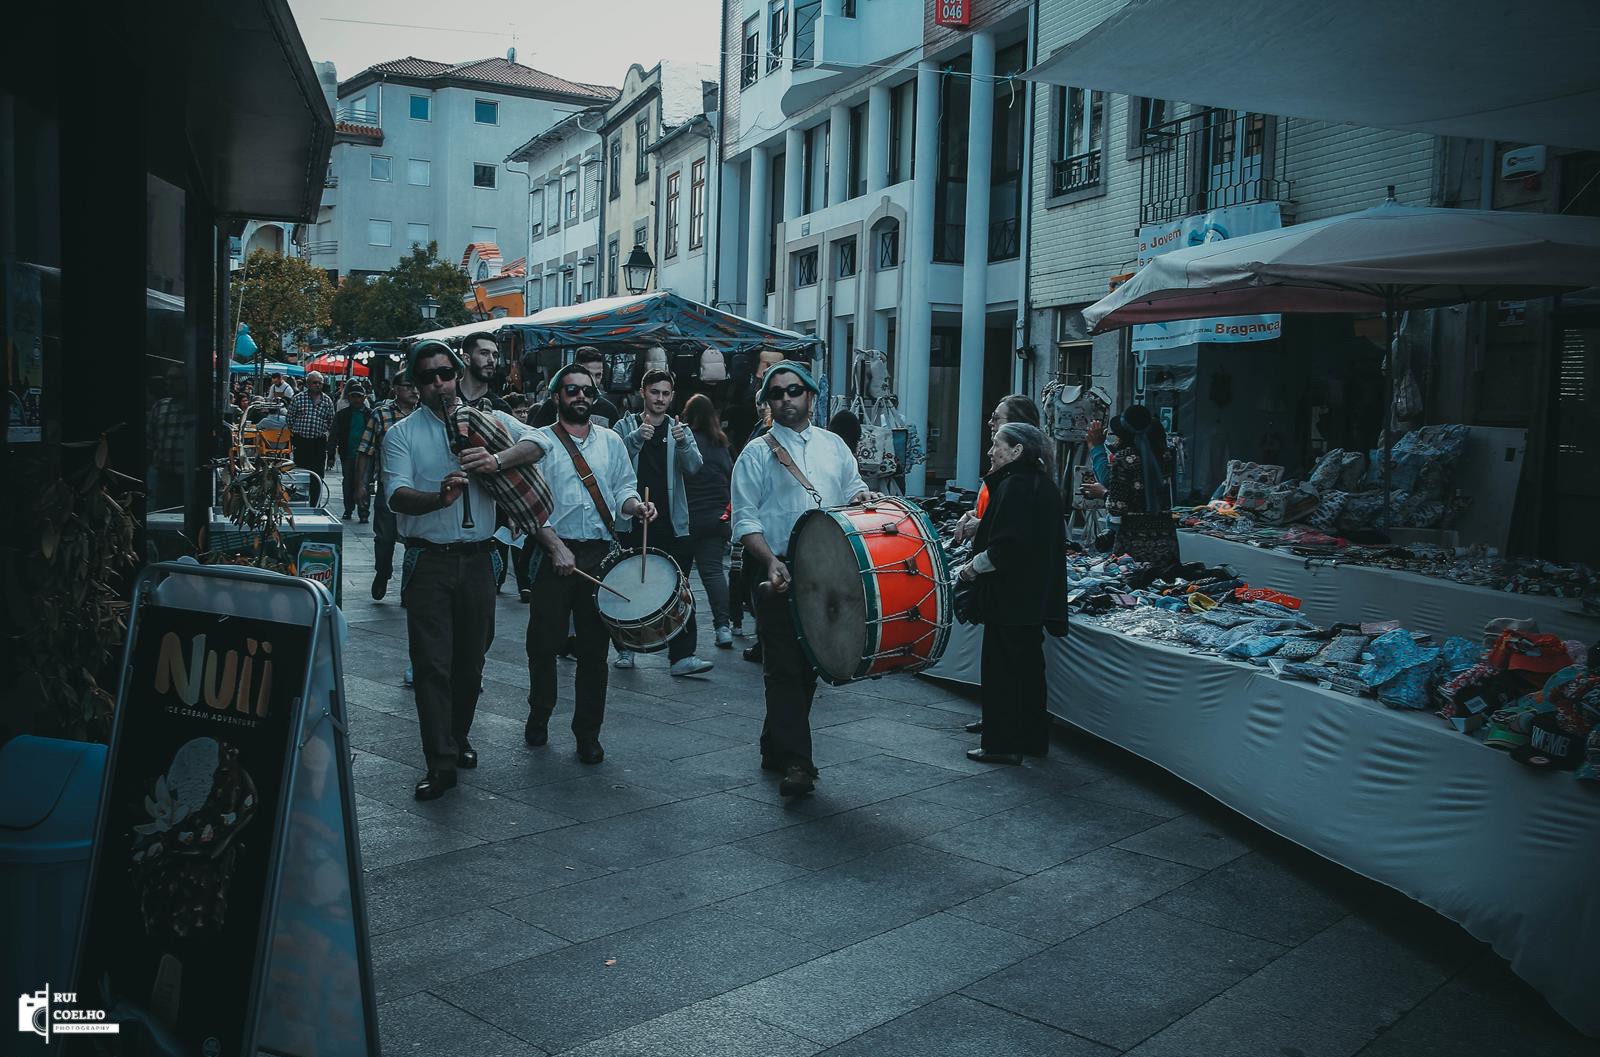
952 12
1214 226
224 913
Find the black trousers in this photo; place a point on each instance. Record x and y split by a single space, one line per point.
352 485
311 453
681 550
450 622
1014 716
385 531
791 682
558 600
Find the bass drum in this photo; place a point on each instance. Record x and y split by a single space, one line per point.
871 591
659 602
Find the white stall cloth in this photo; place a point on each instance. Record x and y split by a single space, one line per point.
1355 593
1508 852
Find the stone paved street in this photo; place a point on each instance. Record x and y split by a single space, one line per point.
667 902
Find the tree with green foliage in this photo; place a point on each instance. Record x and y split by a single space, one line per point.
390 307
280 295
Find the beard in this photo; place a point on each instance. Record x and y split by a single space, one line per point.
577 414
482 374
791 415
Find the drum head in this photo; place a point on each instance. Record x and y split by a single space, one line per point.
830 600
645 599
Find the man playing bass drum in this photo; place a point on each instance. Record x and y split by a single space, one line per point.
797 467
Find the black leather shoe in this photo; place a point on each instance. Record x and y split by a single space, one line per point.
467 757
982 756
433 786
591 752
753 653
975 728
797 781
536 732
380 587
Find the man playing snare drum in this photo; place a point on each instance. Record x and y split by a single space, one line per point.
768 498
578 536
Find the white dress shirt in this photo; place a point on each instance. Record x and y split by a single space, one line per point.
575 517
416 454
766 497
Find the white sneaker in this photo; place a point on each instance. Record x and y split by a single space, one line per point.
725 637
624 659
691 665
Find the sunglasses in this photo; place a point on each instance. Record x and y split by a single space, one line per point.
441 374
587 390
793 391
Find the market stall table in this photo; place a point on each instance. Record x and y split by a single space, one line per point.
1506 851
1332 592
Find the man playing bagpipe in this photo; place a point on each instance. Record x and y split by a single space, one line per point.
446 468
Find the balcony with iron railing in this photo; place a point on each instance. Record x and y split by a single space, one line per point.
1210 159
1077 173
350 115
323 248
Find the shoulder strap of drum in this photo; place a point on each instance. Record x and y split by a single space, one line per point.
586 475
782 455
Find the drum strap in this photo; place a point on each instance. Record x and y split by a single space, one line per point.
782 455
586 475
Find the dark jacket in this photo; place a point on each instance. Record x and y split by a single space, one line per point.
708 488
1023 533
341 431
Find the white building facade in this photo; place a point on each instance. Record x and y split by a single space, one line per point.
874 167
562 235
419 157
1110 166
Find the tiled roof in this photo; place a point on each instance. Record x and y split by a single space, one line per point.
516 267
490 71
487 252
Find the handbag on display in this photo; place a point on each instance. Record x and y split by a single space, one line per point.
619 372
713 368
1069 409
1149 538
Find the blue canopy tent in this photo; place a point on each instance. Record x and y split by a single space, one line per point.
293 370
639 321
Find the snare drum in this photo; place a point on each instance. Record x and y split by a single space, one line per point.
871 591
656 610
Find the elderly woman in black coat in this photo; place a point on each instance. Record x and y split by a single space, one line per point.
1019 566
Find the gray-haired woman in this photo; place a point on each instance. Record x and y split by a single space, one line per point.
1019 565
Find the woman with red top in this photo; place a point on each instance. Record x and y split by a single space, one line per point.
1013 408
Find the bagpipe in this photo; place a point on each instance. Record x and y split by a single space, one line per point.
521 492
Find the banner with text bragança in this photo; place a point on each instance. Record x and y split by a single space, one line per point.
1214 226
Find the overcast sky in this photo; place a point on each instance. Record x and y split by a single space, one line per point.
593 41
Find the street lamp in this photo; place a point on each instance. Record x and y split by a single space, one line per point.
636 273
430 307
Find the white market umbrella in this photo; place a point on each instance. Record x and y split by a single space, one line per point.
1484 69
1385 259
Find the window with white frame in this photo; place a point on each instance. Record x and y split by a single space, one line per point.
536 214
380 233
750 57
641 148
380 167
552 292
553 203
421 108
483 175
697 204
535 294
571 197
482 234
1077 141
613 260
670 235
486 111
569 288
591 186
417 235
616 167
641 234
419 172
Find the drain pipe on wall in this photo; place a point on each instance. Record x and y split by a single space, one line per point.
1026 354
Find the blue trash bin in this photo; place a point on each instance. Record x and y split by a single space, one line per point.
49 795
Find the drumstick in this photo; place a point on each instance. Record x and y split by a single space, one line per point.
607 587
644 538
